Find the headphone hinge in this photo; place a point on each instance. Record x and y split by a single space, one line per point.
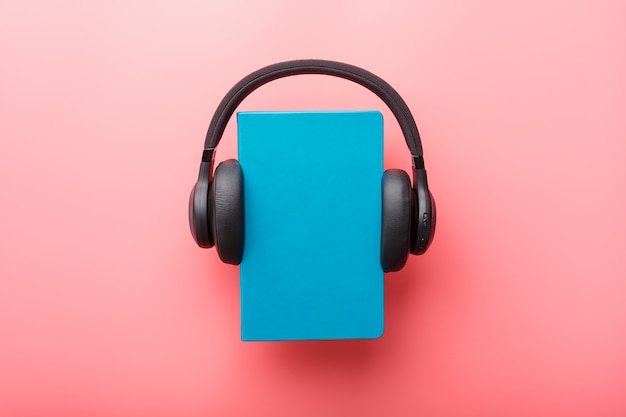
208 155
418 161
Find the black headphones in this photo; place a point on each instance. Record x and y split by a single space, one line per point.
216 203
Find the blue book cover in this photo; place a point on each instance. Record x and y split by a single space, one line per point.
312 188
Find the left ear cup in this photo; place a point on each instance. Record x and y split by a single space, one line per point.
227 208
396 220
199 216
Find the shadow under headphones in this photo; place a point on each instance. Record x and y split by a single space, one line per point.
216 203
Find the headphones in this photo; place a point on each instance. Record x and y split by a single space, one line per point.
216 203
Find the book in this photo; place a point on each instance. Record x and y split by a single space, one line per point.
312 190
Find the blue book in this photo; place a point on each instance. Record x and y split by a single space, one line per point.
312 188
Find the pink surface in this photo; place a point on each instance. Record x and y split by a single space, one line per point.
107 308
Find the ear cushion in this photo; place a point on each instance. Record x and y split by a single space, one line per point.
199 216
396 220
226 197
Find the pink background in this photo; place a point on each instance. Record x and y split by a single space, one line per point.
107 307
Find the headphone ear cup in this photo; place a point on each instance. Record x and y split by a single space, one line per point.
228 211
424 215
199 210
396 220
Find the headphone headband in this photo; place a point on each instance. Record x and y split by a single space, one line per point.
372 82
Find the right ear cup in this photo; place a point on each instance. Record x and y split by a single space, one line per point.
396 220
227 208
424 214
